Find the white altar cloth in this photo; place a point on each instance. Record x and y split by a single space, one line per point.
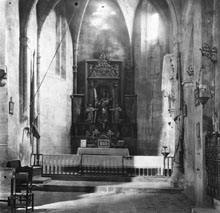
103 151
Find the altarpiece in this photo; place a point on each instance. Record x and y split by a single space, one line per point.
103 116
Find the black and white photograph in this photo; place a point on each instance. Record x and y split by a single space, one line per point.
110 106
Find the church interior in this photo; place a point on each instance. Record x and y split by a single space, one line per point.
111 90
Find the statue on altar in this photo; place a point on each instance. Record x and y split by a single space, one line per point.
105 105
90 111
116 114
97 105
105 109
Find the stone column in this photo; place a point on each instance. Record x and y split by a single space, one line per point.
198 111
3 92
142 83
75 52
23 77
37 98
216 43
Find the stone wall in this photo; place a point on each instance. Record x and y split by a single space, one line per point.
199 27
142 59
3 92
148 59
104 30
55 101
15 143
56 88
10 131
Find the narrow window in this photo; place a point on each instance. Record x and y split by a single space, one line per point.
61 45
152 27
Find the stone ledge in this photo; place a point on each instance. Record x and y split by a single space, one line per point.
204 210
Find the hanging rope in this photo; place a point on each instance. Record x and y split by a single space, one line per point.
58 46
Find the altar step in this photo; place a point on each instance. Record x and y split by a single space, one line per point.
41 180
37 176
37 170
107 178
150 185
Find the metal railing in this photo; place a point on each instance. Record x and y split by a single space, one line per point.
36 160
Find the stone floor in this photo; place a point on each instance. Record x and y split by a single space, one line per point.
133 202
136 197
115 203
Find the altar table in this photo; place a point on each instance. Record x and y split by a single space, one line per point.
103 151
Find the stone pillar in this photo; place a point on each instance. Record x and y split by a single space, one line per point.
198 112
3 91
216 43
189 134
75 52
23 77
37 97
188 146
142 83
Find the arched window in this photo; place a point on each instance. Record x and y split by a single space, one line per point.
152 27
60 41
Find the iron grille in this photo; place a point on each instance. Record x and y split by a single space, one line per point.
212 153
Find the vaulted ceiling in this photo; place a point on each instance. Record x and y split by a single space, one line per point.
77 8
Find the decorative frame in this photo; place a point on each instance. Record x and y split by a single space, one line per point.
104 71
83 143
104 143
209 52
11 107
198 129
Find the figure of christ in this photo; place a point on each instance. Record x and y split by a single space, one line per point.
105 104
97 107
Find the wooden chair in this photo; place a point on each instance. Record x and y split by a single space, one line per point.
21 189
